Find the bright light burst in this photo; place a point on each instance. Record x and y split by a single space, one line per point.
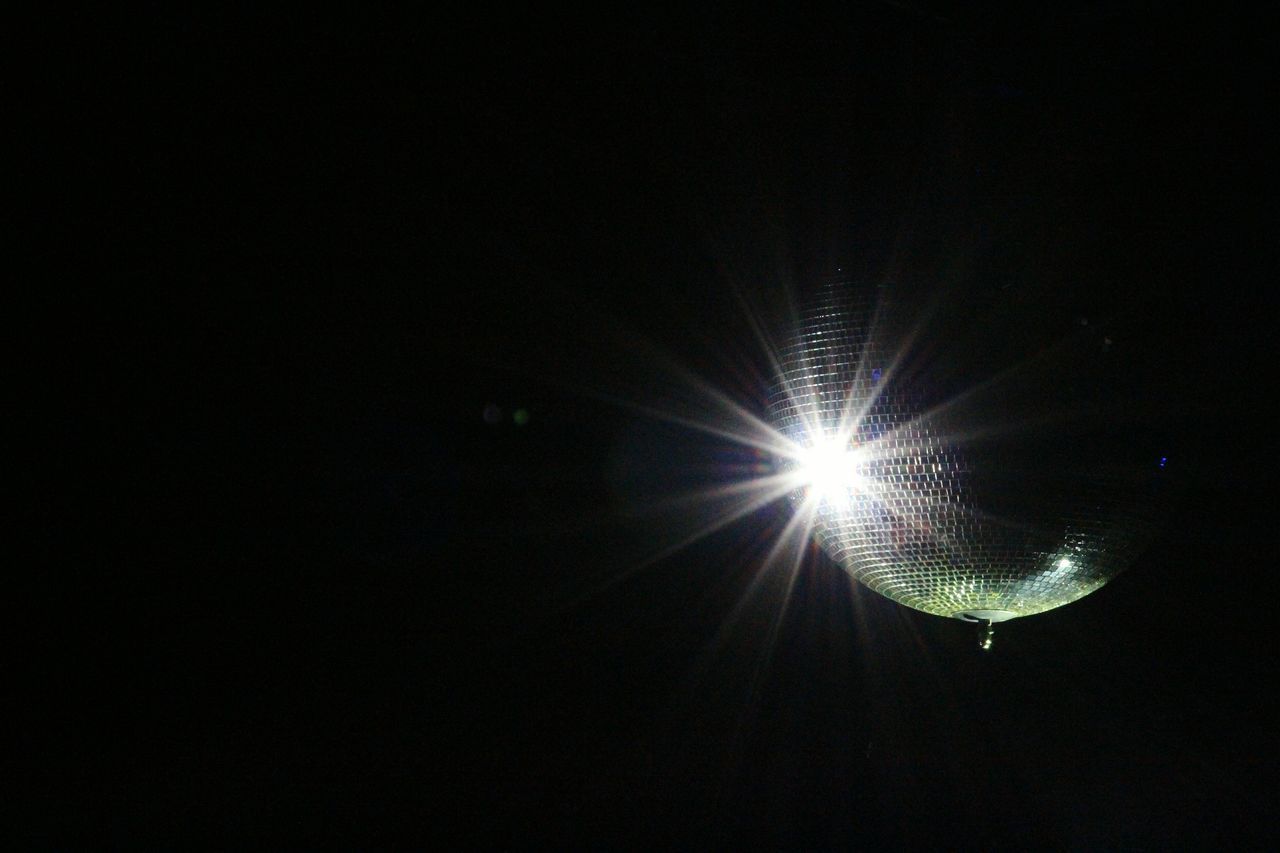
878 480
832 470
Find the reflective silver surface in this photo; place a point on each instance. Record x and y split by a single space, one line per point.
934 520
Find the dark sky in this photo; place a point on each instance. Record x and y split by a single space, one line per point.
289 584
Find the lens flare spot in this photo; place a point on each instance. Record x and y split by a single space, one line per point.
831 470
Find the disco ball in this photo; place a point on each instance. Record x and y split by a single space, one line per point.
945 501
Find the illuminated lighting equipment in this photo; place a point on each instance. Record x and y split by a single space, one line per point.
978 531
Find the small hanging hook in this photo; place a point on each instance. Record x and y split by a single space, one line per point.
986 634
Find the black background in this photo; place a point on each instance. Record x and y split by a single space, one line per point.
288 584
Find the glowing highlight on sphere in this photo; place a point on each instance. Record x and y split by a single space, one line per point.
831 470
